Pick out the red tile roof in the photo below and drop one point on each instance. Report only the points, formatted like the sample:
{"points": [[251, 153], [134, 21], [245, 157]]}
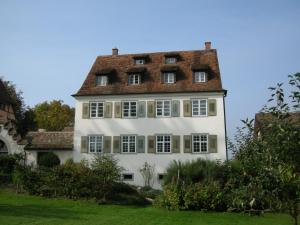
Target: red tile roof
{"points": [[187, 61]]}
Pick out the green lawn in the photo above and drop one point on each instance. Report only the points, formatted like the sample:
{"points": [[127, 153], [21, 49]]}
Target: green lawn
{"points": [[24, 209]]}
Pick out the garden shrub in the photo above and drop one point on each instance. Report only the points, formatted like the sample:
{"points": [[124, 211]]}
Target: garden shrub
{"points": [[172, 197], [149, 192], [47, 159], [205, 196], [7, 164], [191, 171]]}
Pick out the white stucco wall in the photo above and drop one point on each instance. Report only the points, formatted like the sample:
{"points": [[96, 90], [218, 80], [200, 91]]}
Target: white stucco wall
{"points": [[11, 144], [150, 126], [63, 155]]}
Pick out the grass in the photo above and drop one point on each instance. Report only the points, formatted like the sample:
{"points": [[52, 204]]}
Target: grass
{"points": [[25, 210]]}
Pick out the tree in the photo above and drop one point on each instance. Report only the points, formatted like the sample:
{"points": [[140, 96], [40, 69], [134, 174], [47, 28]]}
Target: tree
{"points": [[53, 116], [272, 161], [19, 107]]}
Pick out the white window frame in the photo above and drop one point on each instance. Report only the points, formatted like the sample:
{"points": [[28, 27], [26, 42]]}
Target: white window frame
{"points": [[128, 142], [97, 143], [103, 80], [197, 107], [130, 110], [200, 77], [163, 108], [134, 79], [139, 61], [170, 60], [163, 142], [201, 143], [96, 112], [169, 78]]}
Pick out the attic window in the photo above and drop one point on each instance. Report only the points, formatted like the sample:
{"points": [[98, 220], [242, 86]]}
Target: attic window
{"points": [[200, 77], [170, 60], [139, 61], [101, 80], [168, 78], [134, 79]]}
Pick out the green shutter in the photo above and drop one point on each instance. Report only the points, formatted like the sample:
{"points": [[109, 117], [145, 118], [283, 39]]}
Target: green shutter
{"points": [[140, 144], [187, 143], [108, 109], [175, 108], [151, 144], [213, 144], [151, 108], [116, 144], [187, 109], [118, 109], [85, 110], [212, 107], [141, 109], [84, 144], [106, 144], [175, 144]]}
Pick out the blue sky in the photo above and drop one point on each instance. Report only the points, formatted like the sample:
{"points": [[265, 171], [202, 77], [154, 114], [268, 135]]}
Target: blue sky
{"points": [[48, 47]]}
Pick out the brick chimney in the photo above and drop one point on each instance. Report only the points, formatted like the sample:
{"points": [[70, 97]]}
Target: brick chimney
{"points": [[115, 51], [207, 45]]}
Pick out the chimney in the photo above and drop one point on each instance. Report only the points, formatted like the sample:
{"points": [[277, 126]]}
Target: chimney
{"points": [[115, 51], [207, 45]]}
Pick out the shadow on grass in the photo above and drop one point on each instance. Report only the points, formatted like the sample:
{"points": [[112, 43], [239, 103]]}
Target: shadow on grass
{"points": [[37, 211]]}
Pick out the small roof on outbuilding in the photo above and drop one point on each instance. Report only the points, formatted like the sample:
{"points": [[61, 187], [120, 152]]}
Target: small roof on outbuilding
{"points": [[54, 140]]}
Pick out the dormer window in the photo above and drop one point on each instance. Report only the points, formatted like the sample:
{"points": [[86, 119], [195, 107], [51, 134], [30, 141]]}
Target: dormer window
{"points": [[139, 61], [134, 79], [200, 77], [169, 78], [101, 80], [170, 60]]}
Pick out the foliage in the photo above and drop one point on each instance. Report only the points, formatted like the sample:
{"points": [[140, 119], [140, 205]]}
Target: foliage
{"points": [[149, 192], [48, 159], [147, 172], [191, 171], [205, 196], [7, 164], [23, 120], [272, 160], [107, 173], [172, 197], [54, 115]]}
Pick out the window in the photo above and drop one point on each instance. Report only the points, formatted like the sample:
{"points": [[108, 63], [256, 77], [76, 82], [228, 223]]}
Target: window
{"points": [[163, 143], [169, 78], [133, 79], [96, 109], [161, 176], [139, 61], [95, 144], [170, 60], [163, 108], [101, 80], [129, 109], [199, 77], [129, 144], [200, 143], [199, 107], [127, 176]]}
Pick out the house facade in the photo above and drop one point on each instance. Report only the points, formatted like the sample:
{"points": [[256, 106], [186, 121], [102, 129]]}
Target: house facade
{"points": [[151, 108]]}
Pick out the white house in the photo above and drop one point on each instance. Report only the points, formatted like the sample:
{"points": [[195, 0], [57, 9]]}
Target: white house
{"points": [[152, 107]]}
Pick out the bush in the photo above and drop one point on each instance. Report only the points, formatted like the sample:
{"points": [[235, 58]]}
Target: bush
{"points": [[47, 159], [149, 192], [207, 196], [171, 198], [191, 171], [7, 164]]}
